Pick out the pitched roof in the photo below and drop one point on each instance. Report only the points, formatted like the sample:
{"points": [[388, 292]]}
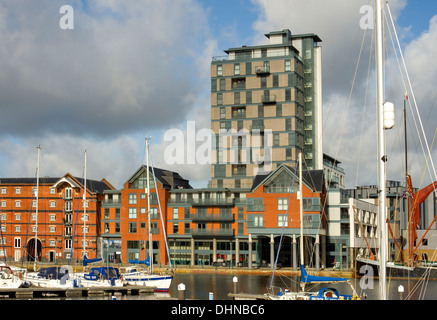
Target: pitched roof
{"points": [[311, 178], [168, 179], [92, 185]]}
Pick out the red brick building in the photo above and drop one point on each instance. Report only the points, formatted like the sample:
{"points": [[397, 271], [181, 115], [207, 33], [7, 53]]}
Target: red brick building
{"points": [[58, 225]]}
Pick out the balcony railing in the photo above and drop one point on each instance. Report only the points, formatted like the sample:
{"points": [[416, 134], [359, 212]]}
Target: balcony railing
{"points": [[211, 217], [262, 70], [212, 202], [212, 232], [271, 98]]}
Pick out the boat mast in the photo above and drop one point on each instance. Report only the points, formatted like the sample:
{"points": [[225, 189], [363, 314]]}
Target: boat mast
{"points": [[407, 187], [301, 217], [36, 209], [84, 209], [148, 207], [382, 158]]}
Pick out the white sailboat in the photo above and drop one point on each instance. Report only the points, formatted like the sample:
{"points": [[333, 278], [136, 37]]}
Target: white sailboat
{"points": [[8, 279], [325, 293], [136, 275]]}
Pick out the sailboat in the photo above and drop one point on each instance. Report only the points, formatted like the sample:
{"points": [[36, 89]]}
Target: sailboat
{"points": [[411, 267], [103, 276], [136, 275], [326, 293]]}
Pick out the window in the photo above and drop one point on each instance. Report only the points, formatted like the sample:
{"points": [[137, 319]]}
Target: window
{"points": [[237, 69], [175, 228], [258, 221], [176, 213], [3, 204], [3, 217], [132, 227], [68, 244], [282, 220], [68, 193], [52, 204], [17, 204], [52, 229], [4, 190], [17, 228], [17, 216], [222, 113], [106, 213], [17, 243], [154, 213], [132, 198], [52, 190], [287, 65], [17, 190], [132, 213], [248, 96], [219, 99], [85, 230], [219, 70], [222, 84], [276, 139], [117, 227], [263, 82], [287, 94], [275, 81], [52, 217], [282, 203], [52, 243]]}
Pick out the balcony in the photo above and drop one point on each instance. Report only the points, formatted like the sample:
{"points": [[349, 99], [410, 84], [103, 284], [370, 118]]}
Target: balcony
{"points": [[271, 98], [227, 202], [262, 70], [208, 217], [212, 233]]}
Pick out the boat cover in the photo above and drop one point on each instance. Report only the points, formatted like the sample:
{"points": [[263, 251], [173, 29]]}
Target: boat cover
{"points": [[86, 261], [306, 278], [146, 262]]}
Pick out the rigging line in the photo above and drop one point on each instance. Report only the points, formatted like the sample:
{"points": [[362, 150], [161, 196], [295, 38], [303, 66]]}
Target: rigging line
{"points": [[75, 222], [411, 88], [350, 94], [25, 253], [160, 210], [364, 106], [283, 224]]}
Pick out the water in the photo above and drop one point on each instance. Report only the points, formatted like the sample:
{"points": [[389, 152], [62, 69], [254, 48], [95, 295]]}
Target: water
{"points": [[199, 285]]}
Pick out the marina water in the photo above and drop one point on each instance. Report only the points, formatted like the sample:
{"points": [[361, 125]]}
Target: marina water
{"points": [[198, 286]]}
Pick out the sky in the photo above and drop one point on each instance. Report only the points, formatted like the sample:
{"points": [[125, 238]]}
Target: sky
{"points": [[120, 71]]}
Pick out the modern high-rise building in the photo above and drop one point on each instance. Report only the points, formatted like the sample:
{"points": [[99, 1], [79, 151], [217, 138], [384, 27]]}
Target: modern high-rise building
{"points": [[266, 107]]}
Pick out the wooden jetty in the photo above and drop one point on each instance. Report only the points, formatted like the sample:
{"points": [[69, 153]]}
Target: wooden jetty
{"points": [[39, 292]]}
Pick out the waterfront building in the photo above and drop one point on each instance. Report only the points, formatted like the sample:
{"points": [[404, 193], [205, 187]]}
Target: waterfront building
{"points": [[60, 229], [266, 108], [125, 220]]}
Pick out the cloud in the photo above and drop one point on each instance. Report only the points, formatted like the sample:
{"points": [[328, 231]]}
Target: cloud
{"points": [[128, 70], [350, 124], [125, 66]]}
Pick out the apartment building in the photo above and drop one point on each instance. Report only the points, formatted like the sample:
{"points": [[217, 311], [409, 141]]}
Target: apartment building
{"points": [[59, 226], [266, 108]]}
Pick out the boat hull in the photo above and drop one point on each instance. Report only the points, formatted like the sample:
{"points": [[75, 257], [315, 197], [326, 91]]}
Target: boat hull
{"points": [[157, 282], [369, 268]]}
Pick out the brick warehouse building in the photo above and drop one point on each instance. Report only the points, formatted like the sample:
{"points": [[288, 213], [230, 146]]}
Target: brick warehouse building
{"points": [[60, 226]]}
